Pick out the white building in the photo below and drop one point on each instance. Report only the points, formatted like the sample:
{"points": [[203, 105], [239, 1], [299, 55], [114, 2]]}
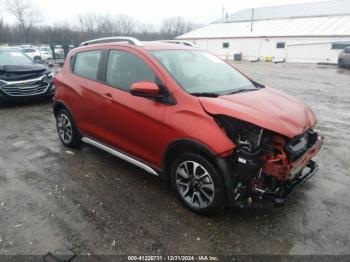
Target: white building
{"points": [[303, 33]]}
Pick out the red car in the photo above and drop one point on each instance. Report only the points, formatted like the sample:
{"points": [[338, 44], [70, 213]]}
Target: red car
{"points": [[182, 113]]}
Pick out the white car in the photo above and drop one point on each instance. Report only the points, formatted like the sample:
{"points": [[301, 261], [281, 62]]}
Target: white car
{"points": [[45, 54], [59, 52], [33, 53]]}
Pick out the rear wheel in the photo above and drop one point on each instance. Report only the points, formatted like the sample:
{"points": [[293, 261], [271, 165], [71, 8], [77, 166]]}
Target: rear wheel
{"points": [[66, 129], [198, 184]]}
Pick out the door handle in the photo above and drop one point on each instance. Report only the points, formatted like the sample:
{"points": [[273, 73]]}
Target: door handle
{"points": [[108, 96]]}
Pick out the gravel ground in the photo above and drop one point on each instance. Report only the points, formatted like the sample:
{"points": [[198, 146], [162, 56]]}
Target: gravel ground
{"points": [[93, 203]]}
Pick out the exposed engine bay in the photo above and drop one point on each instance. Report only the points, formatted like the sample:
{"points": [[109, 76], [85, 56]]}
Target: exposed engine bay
{"points": [[269, 165]]}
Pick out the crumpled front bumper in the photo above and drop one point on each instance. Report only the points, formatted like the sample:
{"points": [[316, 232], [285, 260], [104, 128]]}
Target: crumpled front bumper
{"points": [[280, 198], [291, 170], [300, 171]]}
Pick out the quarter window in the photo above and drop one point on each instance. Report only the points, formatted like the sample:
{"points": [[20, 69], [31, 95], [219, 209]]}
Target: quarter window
{"points": [[225, 45], [125, 69], [86, 64]]}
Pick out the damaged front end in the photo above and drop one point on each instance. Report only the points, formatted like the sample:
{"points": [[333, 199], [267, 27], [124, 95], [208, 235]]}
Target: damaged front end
{"points": [[268, 165], [25, 81]]}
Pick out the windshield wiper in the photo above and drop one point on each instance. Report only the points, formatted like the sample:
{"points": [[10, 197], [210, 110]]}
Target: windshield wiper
{"points": [[206, 94], [243, 90]]}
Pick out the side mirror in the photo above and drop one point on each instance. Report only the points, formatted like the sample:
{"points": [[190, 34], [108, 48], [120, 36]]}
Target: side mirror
{"points": [[145, 89]]}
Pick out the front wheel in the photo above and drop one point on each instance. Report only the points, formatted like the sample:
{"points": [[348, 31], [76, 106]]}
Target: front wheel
{"points": [[198, 184], [341, 63]]}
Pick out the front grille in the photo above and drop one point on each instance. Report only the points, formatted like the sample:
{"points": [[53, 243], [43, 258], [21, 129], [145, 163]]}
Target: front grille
{"points": [[26, 88]]}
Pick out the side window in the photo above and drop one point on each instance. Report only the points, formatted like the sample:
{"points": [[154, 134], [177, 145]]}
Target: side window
{"points": [[226, 45], [125, 69], [86, 64], [347, 50]]}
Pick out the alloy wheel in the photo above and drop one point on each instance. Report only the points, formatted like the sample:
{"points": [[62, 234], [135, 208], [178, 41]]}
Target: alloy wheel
{"points": [[64, 128], [195, 184]]}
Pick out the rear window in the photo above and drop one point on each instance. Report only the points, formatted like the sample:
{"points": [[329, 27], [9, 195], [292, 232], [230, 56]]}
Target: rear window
{"points": [[86, 64]]}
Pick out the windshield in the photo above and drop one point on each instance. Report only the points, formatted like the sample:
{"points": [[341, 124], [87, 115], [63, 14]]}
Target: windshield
{"points": [[199, 72], [14, 57]]}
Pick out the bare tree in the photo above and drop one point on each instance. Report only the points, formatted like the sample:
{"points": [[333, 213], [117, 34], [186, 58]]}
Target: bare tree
{"points": [[87, 26], [4, 31], [106, 26], [125, 25], [175, 26], [26, 14]]}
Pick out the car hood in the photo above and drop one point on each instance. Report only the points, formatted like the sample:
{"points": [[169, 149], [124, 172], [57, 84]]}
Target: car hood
{"points": [[267, 107], [20, 72]]}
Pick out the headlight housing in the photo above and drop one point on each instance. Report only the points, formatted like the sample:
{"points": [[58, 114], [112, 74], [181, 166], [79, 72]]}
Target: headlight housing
{"points": [[50, 75], [239, 131]]}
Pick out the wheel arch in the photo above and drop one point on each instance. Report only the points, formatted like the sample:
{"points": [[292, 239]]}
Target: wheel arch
{"points": [[181, 146], [223, 165], [59, 105]]}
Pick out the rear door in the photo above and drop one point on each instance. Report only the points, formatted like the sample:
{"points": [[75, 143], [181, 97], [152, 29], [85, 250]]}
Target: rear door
{"points": [[88, 100], [132, 124]]}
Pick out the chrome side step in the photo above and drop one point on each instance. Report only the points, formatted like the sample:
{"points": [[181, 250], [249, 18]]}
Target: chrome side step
{"points": [[120, 155]]}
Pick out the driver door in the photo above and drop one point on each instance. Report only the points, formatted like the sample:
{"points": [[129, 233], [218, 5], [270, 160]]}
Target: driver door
{"points": [[132, 124]]}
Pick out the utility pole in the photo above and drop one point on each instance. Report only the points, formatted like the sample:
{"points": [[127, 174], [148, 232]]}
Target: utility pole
{"points": [[252, 23]]}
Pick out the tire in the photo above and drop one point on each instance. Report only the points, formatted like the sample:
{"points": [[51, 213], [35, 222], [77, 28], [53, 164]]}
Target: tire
{"points": [[189, 187], [341, 63], [67, 130]]}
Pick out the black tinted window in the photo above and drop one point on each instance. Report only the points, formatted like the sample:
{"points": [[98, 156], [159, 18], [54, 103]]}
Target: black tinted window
{"points": [[281, 45], [347, 50], [86, 64], [125, 69], [339, 45]]}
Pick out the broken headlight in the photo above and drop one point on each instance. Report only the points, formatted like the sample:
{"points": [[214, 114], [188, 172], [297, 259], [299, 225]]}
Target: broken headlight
{"points": [[248, 138]]}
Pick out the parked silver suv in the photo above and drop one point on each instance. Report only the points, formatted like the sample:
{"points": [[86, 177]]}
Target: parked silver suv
{"points": [[344, 58]]}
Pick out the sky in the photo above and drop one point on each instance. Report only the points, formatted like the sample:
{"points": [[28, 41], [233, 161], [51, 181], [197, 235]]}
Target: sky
{"points": [[146, 11]]}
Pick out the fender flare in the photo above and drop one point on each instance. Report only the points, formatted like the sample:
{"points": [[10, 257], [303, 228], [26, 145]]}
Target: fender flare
{"points": [[224, 165], [59, 105]]}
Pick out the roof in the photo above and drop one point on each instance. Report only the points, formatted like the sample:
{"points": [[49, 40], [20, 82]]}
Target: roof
{"points": [[327, 8], [313, 26]]}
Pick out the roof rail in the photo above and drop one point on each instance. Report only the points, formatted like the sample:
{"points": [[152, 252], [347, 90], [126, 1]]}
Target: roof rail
{"points": [[179, 42], [130, 40]]}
